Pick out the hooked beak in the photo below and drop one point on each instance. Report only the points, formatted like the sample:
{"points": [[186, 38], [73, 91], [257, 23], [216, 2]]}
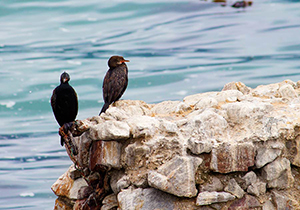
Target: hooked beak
{"points": [[123, 61]]}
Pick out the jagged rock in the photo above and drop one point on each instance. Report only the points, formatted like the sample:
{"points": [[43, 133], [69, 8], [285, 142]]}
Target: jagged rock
{"points": [[206, 198], [227, 157], [142, 126], [250, 178], [234, 188], [198, 146], [247, 202], [144, 199], [266, 155], [110, 130], [268, 205], [206, 102], [105, 154], [214, 185], [119, 181], [281, 202], [275, 169], [109, 202], [135, 155], [176, 176], [237, 86], [278, 174], [287, 91], [65, 186], [257, 188]]}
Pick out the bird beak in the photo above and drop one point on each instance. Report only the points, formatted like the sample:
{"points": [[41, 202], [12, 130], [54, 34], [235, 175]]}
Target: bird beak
{"points": [[125, 61], [64, 80]]}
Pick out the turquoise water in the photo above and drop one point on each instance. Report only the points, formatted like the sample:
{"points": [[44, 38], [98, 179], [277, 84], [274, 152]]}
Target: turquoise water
{"points": [[176, 48]]}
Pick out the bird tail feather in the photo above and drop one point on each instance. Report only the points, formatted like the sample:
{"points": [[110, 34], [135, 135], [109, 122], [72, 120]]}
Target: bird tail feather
{"points": [[104, 108]]}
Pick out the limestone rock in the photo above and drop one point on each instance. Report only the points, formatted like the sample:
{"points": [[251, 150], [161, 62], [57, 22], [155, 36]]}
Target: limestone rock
{"points": [[268, 205], [247, 202], [234, 189], [67, 187], [287, 91], [105, 154], [275, 169], [227, 158], [281, 201], [257, 188], [142, 126], [237, 86], [213, 185], [198, 146], [109, 202], [110, 130], [267, 155], [144, 199], [250, 178], [278, 174], [206, 102], [135, 155], [176, 176], [206, 198], [119, 181]]}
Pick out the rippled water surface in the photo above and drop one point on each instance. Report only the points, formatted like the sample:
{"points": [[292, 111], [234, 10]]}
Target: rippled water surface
{"points": [[176, 48]]}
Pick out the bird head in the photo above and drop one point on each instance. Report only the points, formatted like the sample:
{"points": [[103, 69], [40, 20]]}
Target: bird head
{"points": [[115, 61], [64, 77]]}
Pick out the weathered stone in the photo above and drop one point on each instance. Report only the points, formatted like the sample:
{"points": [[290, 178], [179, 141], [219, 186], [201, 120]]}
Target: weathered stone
{"points": [[135, 155], [176, 176], [62, 205], [110, 130], [165, 107], [213, 185], [284, 181], [250, 178], [247, 202], [144, 199], [74, 173], [198, 146], [227, 158], [237, 86], [142, 126], [267, 155], [228, 95], [287, 91], [206, 102], [209, 122], [281, 201], [105, 154], [118, 181], [275, 169], [67, 187], [268, 205], [206, 198], [84, 143], [257, 188], [240, 111], [167, 126], [109, 202], [234, 188]]}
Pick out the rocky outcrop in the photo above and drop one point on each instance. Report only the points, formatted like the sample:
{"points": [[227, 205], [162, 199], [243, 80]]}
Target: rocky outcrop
{"points": [[234, 149]]}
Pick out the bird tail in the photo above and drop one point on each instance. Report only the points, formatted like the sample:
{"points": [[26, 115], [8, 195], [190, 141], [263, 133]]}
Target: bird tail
{"points": [[104, 108]]}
